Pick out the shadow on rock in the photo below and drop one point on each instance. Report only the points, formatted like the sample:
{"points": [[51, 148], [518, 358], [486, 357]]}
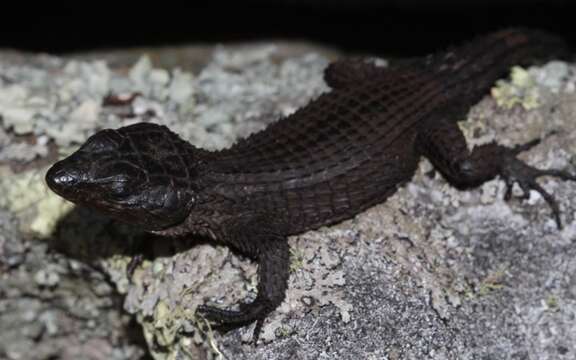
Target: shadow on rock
{"points": [[87, 236]]}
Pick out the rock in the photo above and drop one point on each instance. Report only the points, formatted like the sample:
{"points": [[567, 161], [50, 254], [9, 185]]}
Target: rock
{"points": [[433, 273], [48, 307]]}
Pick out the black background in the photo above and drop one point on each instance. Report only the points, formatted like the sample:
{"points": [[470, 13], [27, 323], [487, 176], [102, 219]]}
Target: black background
{"points": [[398, 28]]}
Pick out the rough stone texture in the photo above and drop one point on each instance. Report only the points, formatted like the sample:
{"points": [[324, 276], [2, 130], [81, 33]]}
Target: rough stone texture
{"points": [[54, 307], [434, 273]]}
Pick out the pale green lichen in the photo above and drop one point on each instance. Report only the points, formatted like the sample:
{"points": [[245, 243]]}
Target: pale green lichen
{"points": [[552, 303], [552, 75], [164, 330], [165, 325], [297, 260], [492, 282], [520, 90], [50, 210], [65, 103], [117, 267], [284, 331], [26, 195]]}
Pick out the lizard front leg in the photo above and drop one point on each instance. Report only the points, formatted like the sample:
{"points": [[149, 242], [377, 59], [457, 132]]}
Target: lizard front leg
{"points": [[271, 251], [445, 146]]}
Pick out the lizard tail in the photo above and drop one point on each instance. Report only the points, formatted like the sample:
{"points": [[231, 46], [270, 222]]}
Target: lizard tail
{"points": [[500, 50], [488, 58]]}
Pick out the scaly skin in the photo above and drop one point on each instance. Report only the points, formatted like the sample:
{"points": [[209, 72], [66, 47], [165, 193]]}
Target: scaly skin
{"points": [[347, 150]]}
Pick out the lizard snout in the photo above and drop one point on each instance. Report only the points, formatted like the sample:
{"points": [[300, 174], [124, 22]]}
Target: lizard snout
{"points": [[62, 179]]}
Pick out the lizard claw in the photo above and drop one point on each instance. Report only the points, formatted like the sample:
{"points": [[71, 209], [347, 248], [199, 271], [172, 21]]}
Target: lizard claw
{"points": [[525, 147], [516, 171]]}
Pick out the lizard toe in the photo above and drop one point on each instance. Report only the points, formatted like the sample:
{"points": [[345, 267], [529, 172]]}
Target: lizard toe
{"points": [[226, 319], [515, 171]]}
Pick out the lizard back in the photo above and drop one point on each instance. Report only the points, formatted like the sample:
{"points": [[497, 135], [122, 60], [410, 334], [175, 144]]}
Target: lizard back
{"points": [[345, 151], [352, 147]]}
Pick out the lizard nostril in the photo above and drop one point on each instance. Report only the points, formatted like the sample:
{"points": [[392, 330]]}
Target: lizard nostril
{"points": [[59, 179]]}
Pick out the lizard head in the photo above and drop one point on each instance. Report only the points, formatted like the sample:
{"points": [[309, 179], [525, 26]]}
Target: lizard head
{"points": [[142, 174]]}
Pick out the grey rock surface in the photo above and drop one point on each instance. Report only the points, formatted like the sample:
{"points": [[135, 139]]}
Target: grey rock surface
{"points": [[54, 307], [434, 273]]}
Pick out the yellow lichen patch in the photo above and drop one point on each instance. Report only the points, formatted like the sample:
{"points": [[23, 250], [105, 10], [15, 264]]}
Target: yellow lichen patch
{"points": [[27, 196], [165, 325], [160, 330], [520, 90], [297, 260], [50, 210], [552, 303]]}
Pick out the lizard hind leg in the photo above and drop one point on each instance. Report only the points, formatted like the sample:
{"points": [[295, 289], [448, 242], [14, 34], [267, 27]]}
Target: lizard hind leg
{"points": [[445, 146], [273, 256]]}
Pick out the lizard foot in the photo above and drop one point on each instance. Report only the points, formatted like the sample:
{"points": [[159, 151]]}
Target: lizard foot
{"points": [[227, 319], [516, 171]]}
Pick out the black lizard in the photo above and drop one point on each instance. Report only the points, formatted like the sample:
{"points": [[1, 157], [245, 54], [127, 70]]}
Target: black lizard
{"points": [[347, 150]]}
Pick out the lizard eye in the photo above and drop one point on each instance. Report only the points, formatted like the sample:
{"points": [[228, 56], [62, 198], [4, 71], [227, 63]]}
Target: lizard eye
{"points": [[118, 180], [119, 190]]}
